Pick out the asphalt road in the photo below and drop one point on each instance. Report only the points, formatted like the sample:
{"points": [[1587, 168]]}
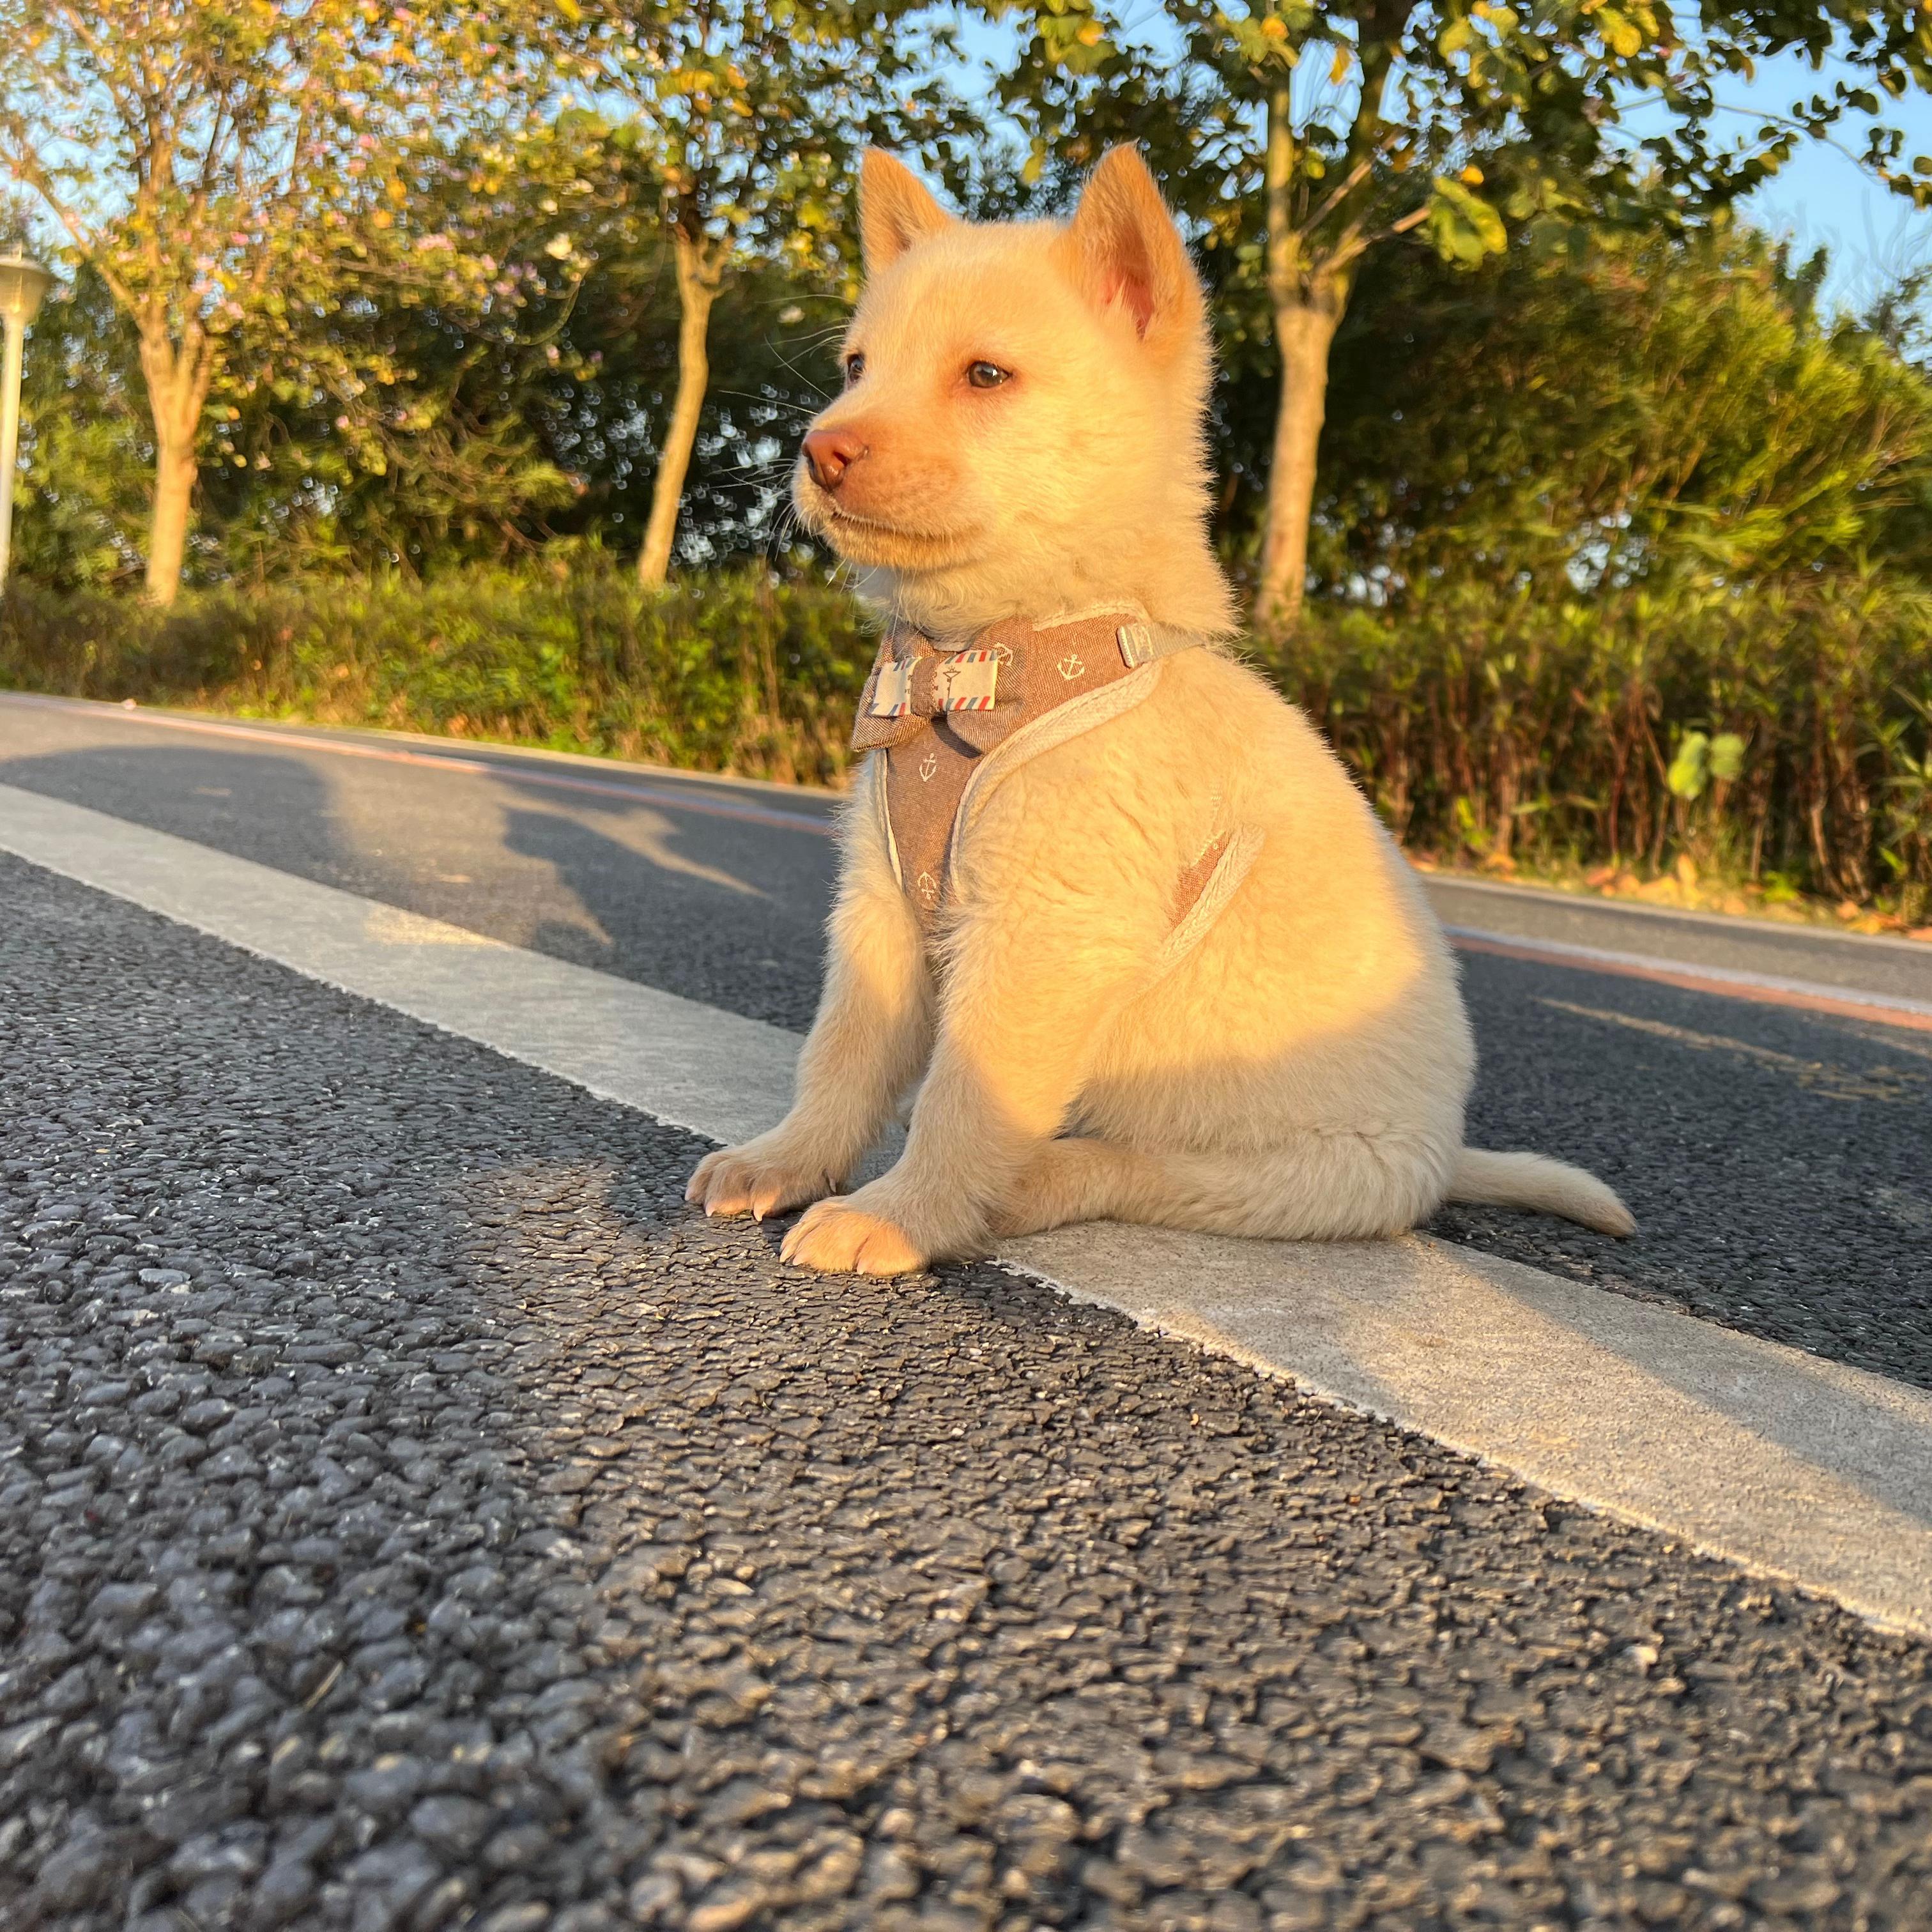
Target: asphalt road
{"points": [[1779, 1163], [1818, 954], [413, 1515]]}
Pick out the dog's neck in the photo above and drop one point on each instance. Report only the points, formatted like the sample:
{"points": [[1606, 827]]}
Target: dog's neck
{"points": [[1176, 584]]}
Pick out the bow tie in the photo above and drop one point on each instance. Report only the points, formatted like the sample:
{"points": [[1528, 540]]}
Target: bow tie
{"points": [[932, 682]]}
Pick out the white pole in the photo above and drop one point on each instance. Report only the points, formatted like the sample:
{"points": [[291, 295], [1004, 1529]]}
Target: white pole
{"points": [[9, 435]]}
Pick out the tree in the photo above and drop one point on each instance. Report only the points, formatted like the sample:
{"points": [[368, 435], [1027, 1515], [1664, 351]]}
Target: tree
{"points": [[1666, 416], [1346, 124], [601, 411], [480, 434], [83, 431], [755, 110], [224, 167], [395, 427]]}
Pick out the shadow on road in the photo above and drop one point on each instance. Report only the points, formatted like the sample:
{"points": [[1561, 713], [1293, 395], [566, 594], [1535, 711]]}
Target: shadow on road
{"points": [[713, 910]]}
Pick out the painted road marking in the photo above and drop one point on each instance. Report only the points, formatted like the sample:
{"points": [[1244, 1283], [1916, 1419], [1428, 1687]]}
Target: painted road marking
{"points": [[1807, 996], [1793, 1466], [711, 1073], [1732, 982]]}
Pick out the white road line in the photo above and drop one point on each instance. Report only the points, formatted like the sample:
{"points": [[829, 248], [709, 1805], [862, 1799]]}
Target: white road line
{"points": [[1555, 899], [710, 1072], [1789, 1465]]}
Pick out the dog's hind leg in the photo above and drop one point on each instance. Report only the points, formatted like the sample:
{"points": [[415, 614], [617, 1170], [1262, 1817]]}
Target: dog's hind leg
{"points": [[1330, 1186]]}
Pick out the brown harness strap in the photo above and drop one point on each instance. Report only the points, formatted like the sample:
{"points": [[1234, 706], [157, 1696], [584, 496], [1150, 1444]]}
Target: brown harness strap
{"points": [[938, 714]]}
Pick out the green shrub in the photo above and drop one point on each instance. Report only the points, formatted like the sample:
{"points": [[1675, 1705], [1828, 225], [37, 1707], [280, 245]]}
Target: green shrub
{"points": [[1511, 729], [735, 674]]}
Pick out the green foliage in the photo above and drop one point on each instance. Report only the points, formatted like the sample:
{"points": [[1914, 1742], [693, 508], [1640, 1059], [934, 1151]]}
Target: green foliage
{"points": [[771, 346], [1463, 119], [496, 431], [733, 674], [1772, 735], [1797, 725], [81, 501], [223, 163], [1303, 137], [1700, 759], [756, 110], [1673, 415], [1785, 729], [1461, 225], [598, 390], [233, 173]]}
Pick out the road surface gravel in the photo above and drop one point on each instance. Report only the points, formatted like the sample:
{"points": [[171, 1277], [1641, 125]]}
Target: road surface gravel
{"points": [[411, 1515]]}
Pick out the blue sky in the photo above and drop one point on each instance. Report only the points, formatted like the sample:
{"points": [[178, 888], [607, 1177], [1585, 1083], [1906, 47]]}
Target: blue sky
{"points": [[1823, 197]]}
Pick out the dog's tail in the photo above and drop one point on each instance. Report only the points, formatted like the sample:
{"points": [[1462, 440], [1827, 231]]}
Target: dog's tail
{"points": [[1530, 1181]]}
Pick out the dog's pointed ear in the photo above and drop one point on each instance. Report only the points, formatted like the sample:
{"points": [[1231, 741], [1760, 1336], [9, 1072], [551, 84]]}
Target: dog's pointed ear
{"points": [[1126, 252], [895, 210]]}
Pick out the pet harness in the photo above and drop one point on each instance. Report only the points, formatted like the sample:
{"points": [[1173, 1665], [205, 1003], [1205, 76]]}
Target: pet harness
{"points": [[952, 723]]}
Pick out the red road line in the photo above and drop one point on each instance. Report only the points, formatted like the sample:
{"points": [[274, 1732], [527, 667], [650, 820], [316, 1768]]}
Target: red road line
{"points": [[1761, 990], [675, 800]]}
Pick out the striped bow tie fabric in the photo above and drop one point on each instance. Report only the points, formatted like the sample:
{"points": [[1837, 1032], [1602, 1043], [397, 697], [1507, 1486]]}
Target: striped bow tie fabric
{"points": [[933, 682]]}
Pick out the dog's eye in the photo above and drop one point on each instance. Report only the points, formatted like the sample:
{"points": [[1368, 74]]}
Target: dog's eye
{"points": [[987, 375], [855, 367]]}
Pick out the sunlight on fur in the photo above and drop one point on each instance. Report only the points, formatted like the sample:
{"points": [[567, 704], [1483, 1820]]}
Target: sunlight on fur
{"points": [[1109, 907]]}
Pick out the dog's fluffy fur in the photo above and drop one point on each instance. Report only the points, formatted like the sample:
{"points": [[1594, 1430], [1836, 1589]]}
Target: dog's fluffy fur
{"points": [[1302, 1072]]}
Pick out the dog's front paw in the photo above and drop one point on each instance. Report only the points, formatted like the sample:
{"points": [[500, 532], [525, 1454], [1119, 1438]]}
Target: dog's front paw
{"points": [[838, 1237], [757, 1179]]}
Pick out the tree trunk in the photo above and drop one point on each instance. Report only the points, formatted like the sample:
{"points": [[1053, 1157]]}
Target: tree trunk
{"points": [[178, 380], [1303, 332], [176, 471], [700, 272], [1308, 305]]}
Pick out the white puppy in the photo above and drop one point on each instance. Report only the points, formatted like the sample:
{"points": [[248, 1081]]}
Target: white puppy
{"points": [[1108, 901]]}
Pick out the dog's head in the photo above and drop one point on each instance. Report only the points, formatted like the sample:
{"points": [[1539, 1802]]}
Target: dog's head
{"points": [[1021, 426]]}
